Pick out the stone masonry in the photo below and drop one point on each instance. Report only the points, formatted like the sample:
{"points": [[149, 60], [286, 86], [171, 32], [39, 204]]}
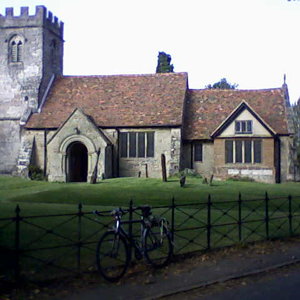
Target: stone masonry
{"points": [[77, 128], [25, 78]]}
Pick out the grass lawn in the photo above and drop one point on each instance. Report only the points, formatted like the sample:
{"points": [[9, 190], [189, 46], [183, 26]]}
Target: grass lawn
{"points": [[42, 198], [39, 197]]}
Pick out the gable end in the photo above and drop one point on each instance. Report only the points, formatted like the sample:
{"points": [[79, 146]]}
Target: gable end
{"points": [[232, 117]]}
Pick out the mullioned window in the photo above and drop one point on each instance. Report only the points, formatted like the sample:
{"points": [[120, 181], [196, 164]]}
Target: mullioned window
{"points": [[137, 144]]}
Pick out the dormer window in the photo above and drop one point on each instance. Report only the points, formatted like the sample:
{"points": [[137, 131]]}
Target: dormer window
{"points": [[243, 126], [16, 49]]}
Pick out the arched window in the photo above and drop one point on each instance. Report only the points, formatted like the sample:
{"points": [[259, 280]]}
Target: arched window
{"points": [[16, 49]]}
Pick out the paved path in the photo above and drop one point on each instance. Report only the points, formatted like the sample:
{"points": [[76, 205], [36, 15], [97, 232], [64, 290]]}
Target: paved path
{"points": [[283, 285], [198, 271]]}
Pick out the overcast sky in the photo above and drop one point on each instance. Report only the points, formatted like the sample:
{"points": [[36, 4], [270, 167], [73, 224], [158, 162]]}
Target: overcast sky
{"points": [[250, 42]]}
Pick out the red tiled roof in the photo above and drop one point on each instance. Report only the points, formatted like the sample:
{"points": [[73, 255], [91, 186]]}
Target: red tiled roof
{"points": [[207, 109], [117, 100]]}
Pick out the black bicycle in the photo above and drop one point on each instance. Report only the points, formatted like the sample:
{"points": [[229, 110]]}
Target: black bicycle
{"points": [[113, 252]]}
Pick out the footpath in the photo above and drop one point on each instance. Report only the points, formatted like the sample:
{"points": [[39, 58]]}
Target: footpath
{"points": [[196, 272]]}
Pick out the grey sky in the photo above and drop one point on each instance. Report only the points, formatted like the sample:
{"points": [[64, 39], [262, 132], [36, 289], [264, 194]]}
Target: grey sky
{"points": [[251, 43]]}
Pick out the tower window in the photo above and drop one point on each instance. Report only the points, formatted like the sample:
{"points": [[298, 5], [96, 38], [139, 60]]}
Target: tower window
{"points": [[19, 51], [16, 49]]}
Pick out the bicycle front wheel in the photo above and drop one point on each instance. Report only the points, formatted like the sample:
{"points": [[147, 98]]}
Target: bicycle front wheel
{"points": [[158, 246], [112, 256]]}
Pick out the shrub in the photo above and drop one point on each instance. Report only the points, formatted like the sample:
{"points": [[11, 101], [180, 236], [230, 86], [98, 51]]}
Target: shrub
{"points": [[240, 178], [188, 173], [35, 173]]}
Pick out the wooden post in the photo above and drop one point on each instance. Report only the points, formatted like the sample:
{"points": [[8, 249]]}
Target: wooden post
{"points": [[163, 168], [95, 171], [211, 179], [182, 180]]}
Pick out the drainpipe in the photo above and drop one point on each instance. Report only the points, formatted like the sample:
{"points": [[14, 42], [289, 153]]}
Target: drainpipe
{"points": [[118, 154], [112, 161], [45, 152], [277, 160], [192, 156]]}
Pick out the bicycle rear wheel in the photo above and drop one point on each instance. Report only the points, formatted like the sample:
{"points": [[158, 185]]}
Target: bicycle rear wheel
{"points": [[158, 246], [112, 256]]}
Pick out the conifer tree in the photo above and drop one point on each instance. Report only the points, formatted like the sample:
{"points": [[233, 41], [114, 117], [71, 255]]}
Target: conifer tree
{"points": [[164, 63], [296, 119]]}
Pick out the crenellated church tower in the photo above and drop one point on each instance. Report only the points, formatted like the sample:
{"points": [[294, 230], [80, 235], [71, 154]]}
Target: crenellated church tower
{"points": [[31, 54]]}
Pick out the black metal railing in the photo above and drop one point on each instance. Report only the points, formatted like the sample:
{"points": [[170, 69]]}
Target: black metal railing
{"points": [[37, 247]]}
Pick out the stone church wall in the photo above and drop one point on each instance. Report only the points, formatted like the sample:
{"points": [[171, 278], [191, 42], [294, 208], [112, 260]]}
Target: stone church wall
{"points": [[263, 172], [112, 135], [9, 145], [205, 167], [167, 142], [289, 172], [78, 128], [23, 82]]}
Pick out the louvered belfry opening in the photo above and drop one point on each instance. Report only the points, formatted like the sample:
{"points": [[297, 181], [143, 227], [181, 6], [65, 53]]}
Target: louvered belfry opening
{"points": [[77, 162], [16, 49]]}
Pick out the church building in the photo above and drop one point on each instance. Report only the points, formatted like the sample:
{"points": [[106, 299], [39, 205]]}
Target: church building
{"points": [[122, 125]]}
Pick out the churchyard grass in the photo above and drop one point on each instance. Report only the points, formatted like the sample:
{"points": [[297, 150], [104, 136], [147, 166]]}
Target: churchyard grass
{"points": [[40, 196], [43, 198]]}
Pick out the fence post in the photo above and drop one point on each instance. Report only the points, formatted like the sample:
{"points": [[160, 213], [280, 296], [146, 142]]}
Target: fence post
{"points": [[17, 245], [130, 226], [290, 215], [208, 221], [240, 216], [173, 219], [79, 244], [267, 214]]}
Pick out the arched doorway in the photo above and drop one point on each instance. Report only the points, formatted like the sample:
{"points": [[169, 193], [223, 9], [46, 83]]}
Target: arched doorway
{"points": [[77, 162]]}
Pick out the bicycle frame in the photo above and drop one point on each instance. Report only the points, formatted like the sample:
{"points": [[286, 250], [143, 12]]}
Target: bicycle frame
{"points": [[114, 249], [118, 229]]}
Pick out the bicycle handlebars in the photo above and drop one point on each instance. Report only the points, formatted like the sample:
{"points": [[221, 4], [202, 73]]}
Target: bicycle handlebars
{"points": [[146, 211]]}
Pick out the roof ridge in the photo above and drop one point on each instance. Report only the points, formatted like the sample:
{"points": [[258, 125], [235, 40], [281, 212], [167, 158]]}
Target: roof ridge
{"points": [[126, 75], [236, 90], [116, 100]]}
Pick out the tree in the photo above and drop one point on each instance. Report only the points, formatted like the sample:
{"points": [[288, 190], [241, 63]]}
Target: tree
{"points": [[222, 85], [296, 116], [164, 63], [296, 119]]}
